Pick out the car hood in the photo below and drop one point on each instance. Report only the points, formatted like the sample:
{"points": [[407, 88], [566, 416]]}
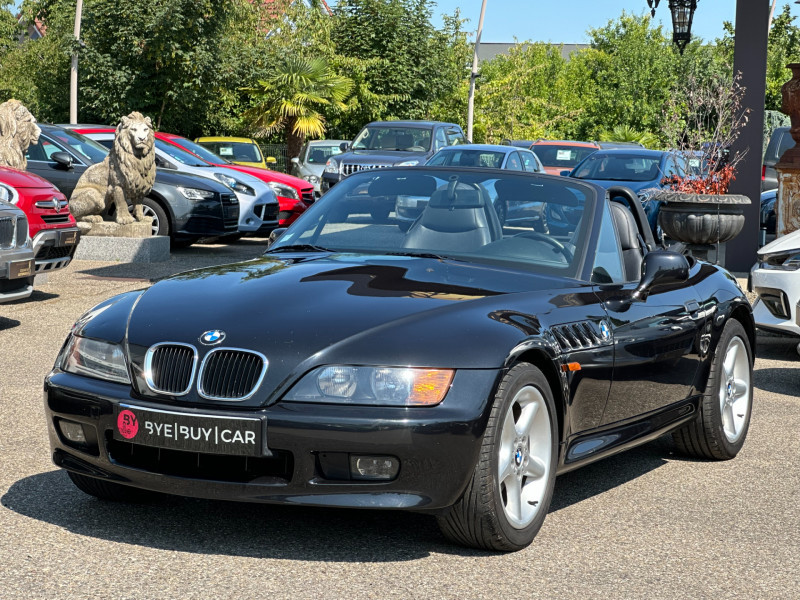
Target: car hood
{"points": [[785, 243], [341, 309], [23, 179], [268, 175]]}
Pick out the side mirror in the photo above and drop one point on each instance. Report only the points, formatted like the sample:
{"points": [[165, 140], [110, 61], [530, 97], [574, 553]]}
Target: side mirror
{"points": [[295, 159], [344, 146], [63, 159], [271, 160], [565, 173], [661, 268], [274, 235]]}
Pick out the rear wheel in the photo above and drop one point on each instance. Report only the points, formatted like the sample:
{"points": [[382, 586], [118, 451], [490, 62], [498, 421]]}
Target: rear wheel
{"points": [[151, 208], [722, 422], [507, 499], [108, 490]]}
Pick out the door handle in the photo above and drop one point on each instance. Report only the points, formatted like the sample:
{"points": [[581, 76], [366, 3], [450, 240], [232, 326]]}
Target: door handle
{"points": [[692, 306]]}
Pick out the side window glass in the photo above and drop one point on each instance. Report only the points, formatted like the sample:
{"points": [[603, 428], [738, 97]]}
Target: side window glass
{"points": [[41, 151], [528, 161], [455, 137], [608, 261], [514, 163], [440, 140]]}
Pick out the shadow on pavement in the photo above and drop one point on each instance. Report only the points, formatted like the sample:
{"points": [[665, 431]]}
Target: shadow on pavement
{"points": [[6, 323], [778, 381], [280, 531]]}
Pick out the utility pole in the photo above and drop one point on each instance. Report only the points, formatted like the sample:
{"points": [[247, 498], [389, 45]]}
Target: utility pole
{"points": [[474, 75], [73, 70]]}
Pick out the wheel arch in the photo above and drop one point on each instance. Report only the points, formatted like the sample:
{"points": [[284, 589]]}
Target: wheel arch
{"points": [[163, 203], [542, 360], [742, 314]]}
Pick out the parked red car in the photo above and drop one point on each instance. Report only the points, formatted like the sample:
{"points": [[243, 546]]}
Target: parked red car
{"points": [[294, 194], [52, 228]]}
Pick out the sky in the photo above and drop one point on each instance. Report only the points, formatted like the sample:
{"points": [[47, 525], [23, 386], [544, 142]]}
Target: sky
{"points": [[566, 21]]}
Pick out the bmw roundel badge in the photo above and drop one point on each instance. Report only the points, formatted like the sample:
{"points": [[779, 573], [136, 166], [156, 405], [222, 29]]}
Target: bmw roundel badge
{"points": [[605, 330], [215, 336]]}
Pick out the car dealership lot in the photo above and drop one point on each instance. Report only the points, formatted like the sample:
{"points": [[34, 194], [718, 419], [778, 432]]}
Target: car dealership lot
{"points": [[646, 523]]}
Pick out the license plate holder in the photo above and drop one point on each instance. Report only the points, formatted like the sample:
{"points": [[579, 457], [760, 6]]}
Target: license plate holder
{"points": [[211, 434], [18, 269]]}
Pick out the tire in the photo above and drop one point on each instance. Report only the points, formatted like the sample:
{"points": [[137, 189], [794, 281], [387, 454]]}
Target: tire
{"points": [[108, 490], [719, 431], [507, 499], [161, 224]]}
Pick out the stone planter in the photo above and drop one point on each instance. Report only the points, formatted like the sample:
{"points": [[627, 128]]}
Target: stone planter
{"points": [[701, 219]]}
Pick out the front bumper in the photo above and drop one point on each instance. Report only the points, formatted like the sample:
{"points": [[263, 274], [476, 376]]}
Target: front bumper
{"points": [[54, 249], [18, 287], [437, 447], [776, 307], [328, 180]]}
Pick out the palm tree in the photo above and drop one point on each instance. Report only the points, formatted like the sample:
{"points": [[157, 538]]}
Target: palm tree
{"points": [[291, 99]]}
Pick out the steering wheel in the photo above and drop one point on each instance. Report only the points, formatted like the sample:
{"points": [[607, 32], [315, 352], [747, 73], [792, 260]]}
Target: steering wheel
{"points": [[541, 237]]}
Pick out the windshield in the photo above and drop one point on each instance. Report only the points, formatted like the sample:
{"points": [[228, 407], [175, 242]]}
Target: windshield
{"points": [[463, 157], [235, 151], [620, 167], [318, 154], [80, 144], [553, 155], [525, 221], [180, 155], [393, 138], [203, 153]]}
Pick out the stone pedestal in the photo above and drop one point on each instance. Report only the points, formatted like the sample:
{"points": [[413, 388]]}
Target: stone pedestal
{"points": [[124, 249], [137, 229]]}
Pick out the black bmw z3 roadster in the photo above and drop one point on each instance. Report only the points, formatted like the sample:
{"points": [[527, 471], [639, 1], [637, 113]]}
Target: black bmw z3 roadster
{"points": [[455, 366]]}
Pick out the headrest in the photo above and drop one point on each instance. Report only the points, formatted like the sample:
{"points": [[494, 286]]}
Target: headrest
{"points": [[626, 226], [402, 185], [536, 190], [460, 195]]}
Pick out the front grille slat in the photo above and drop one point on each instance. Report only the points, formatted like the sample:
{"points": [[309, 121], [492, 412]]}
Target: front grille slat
{"points": [[231, 374], [169, 368], [6, 232]]}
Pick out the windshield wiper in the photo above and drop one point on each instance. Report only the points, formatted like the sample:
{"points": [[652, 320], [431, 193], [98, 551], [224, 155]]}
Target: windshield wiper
{"points": [[420, 255], [301, 248]]}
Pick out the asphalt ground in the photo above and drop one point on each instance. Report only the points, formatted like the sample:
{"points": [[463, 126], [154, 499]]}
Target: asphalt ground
{"points": [[645, 524]]}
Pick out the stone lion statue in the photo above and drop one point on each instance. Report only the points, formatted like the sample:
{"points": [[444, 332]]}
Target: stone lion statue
{"points": [[125, 177], [18, 130]]}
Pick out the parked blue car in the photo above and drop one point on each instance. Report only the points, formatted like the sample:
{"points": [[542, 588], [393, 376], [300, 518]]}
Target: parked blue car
{"points": [[639, 169]]}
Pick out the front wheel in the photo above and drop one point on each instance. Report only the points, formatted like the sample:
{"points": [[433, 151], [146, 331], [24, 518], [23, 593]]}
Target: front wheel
{"points": [[507, 499], [722, 422], [151, 208]]}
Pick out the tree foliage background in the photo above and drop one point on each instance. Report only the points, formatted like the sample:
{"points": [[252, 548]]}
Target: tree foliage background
{"points": [[190, 63]]}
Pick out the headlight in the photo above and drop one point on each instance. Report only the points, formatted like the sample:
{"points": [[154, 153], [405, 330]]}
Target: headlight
{"points": [[312, 179], [789, 261], [235, 184], [332, 166], [8, 194], [283, 190], [195, 194], [93, 358], [408, 163], [381, 386]]}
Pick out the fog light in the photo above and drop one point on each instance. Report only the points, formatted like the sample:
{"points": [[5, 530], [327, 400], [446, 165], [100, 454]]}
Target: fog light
{"points": [[375, 468], [72, 431]]}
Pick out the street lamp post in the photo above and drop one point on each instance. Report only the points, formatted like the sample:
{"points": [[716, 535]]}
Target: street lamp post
{"points": [[474, 74], [73, 70], [682, 13]]}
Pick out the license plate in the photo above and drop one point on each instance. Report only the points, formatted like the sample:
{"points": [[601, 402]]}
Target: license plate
{"points": [[190, 432], [20, 268], [67, 238]]}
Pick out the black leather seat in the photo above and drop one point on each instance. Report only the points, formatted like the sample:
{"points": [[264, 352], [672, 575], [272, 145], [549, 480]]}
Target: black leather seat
{"points": [[629, 241], [458, 218]]}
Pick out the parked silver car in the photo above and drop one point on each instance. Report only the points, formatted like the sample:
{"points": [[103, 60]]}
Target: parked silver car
{"points": [[16, 253], [311, 162]]}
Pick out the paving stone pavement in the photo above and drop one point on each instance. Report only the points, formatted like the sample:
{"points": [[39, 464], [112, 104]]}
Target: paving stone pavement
{"points": [[644, 524]]}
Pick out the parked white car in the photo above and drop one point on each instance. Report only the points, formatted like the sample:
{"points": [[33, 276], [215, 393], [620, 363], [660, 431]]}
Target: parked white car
{"points": [[313, 157], [258, 205], [776, 280]]}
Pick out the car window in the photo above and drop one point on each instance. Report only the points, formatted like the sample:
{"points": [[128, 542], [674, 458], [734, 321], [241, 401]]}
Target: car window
{"points": [[785, 143], [393, 138], [514, 163], [42, 151], [179, 155], [468, 157], [455, 137], [607, 267], [619, 167], [234, 151], [529, 162], [204, 153], [440, 140], [319, 154], [566, 157]]}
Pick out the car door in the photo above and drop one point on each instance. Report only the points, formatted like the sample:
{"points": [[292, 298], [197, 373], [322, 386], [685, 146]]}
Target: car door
{"points": [[656, 340], [40, 163]]}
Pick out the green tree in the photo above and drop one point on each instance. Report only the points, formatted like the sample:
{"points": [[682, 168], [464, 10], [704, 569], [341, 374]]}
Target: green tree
{"points": [[292, 96], [8, 27]]}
